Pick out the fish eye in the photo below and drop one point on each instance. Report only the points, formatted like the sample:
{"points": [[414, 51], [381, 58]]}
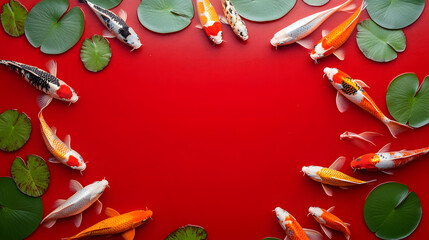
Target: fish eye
{"points": [[278, 218]]}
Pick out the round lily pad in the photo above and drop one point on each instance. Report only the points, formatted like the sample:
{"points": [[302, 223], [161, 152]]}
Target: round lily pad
{"points": [[165, 16], [263, 10], [188, 232], [271, 238], [32, 180], [95, 53], [49, 28], [391, 211], [395, 14], [407, 102], [15, 129], [107, 4], [316, 3], [379, 44], [20, 214], [13, 18]]}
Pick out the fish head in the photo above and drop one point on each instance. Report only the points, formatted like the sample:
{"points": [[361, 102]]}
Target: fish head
{"points": [[133, 39], [332, 74], [280, 39], [345, 134], [140, 216], [316, 212], [98, 187], [365, 162], [217, 39], [318, 52], [75, 161], [282, 216], [312, 172], [66, 93]]}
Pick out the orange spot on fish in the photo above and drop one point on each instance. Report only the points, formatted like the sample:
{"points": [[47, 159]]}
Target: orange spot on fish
{"points": [[64, 92], [201, 8], [214, 29], [73, 162]]}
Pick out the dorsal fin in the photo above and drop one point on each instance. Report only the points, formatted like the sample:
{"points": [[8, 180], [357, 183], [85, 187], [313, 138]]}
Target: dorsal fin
{"points": [[111, 212], [385, 148], [52, 67], [75, 185], [338, 163]]}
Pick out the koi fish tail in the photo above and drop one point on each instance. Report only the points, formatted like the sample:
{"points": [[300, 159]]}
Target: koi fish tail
{"points": [[370, 181], [49, 223], [345, 7], [396, 128], [43, 101]]}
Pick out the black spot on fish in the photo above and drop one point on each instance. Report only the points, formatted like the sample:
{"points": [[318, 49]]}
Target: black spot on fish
{"points": [[106, 14], [348, 88], [231, 11], [106, 21], [124, 32]]}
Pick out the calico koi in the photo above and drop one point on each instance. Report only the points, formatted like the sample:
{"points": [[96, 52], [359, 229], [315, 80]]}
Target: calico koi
{"points": [[234, 20], [328, 220], [331, 176], [77, 203], [210, 21], [352, 89], [293, 230]]}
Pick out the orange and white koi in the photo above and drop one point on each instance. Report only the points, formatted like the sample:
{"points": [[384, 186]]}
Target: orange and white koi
{"points": [[234, 20], [364, 136], [303, 27], [328, 220], [352, 89], [293, 230], [210, 21], [385, 160], [116, 223], [331, 176], [61, 151], [332, 41]]}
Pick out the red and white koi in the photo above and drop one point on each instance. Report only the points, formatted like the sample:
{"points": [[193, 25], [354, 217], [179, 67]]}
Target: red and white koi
{"points": [[364, 136], [303, 27], [331, 176], [293, 230], [234, 20], [210, 21], [77, 203], [332, 41], [61, 151], [352, 89], [44, 81], [328, 220]]}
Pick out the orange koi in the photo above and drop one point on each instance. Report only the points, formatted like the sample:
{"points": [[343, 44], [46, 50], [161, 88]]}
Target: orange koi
{"points": [[116, 223], [293, 230], [328, 220], [210, 21]]}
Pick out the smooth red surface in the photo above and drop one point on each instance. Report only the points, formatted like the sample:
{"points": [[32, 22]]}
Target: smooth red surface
{"points": [[213, 135]]}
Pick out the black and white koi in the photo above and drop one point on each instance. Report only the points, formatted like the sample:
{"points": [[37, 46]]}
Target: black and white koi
{"points": [[234, 20]]}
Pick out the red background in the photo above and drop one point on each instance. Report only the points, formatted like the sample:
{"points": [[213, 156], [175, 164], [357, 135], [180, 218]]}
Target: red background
{"points": [[213, 135]]}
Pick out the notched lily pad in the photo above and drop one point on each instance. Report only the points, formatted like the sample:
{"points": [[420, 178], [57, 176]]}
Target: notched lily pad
{"points": [[379, 44], [32, 180], [263, 10], [188, 232], [316, 3], [13, 18], [391, 211], [165, 16], [407, 102], [95, 53], [15, 129], [107, 4]]}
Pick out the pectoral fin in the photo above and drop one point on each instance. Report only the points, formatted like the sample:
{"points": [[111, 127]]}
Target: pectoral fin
{"points": [[338, 164], [110, 212], [327, 190], [326, 231], [313, 234], [75, 186], [342, 102], [385, 148], [77, 220], [306, 43], [52, 67], [361, 83], [340, 54], [122, 14], [98, 206], [108, 34], [331, 209], [129, 235], [53, 160]]}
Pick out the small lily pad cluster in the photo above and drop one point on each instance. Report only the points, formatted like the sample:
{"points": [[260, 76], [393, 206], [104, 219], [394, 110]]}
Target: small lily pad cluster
{"points": [[189, 232], [13, 18], [263, 10], [316, 3]]}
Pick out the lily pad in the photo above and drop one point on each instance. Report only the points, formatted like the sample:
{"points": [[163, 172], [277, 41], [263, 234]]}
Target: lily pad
{"points": [[407, 102], [107, 4], [165, 16], [49, 28], [32, 180], [271, 238], [316, 3], [15, 129], [379, 44], [391, 211], [13, 18], [20, 215], [95, 53], [188, 232], [395, 14], [263, 10]]}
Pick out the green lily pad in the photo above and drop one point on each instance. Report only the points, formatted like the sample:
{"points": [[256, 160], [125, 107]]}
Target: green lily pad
{"points": [[395, 14], [48, 28], [263, 10], [391, 211], [407, 102], [271, 238], [13, 18], [165, 16], [379, 44], [316, 3], [95, 54], [20, 214], [15, 129], [107, 4], [188, 232], [34, 180]]}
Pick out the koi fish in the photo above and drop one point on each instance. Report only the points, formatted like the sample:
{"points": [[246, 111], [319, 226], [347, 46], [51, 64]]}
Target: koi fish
{"points": [[61, 151], [76, 204], [384, 160], [234, 20], [293, 230], [116, 223], [365, 136], [328, 220], [352, 89], [332, 41], [210, 21], [303, 27], [116, 25], [44, 81], [331, 176]]}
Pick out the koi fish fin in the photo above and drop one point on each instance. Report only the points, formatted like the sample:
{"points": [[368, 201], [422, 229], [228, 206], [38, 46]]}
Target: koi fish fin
{"points": [[344, 188], [223, 20], [75, 186], [371, 181], [43, 101], [129, 235], [53, 160], [111, 212], [338, 164], [342, 102], [122, 14], [348, 8], [361, 83], [396, 128], [199, 26], [326, 231], [327, 190], [52, 67], [368, 136], [385, 148], [67, 140], [325, 32], [286, 238], [331, 209], [347, 224], [313, 234], [340, 54], [50, 223], [78, 220], [59, 202], [306, 43], [108, 34], [54, 130], [387, 172], [98, 206]]}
